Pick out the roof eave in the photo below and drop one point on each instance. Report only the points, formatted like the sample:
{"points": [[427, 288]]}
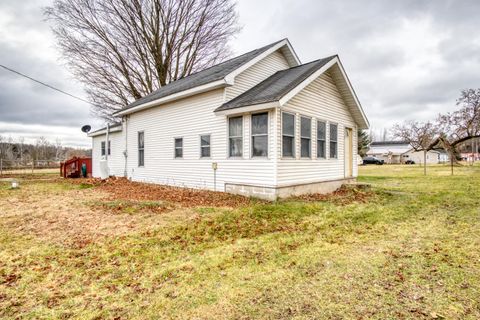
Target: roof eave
{"points": [[173, 97], [104, 131], [363, 123], [294, 60], [249, 108]]}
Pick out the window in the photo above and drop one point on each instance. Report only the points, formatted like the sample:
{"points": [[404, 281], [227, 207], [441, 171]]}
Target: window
{"points": [[178, 147], [141, 149], [205, 146], [288, 135], [235, 136], [306, 136], [321, 131], [103, 147], [333, 140], [260, 135]]}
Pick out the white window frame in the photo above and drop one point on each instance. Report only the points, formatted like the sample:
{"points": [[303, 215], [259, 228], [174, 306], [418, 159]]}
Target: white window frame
{"points": [[302, 137], [209, 145], [330, 141], [324, 140], [228, 137], [175, 148], [259, 135], [138, 149], [294, 151]]}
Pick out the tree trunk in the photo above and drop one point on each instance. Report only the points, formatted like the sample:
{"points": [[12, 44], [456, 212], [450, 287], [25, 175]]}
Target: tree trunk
{"points": [[451, 165], [425, 162]]}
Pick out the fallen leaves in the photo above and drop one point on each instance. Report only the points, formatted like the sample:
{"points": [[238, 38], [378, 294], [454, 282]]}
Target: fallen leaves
{"points": [[124, 189]]}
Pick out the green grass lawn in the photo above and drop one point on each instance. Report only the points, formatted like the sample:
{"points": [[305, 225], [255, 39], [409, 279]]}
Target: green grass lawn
{"points": [[411, 251]]}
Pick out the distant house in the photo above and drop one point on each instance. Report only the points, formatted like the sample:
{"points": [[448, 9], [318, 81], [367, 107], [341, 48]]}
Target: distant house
{"points": [[261, 124], [401, 151]]}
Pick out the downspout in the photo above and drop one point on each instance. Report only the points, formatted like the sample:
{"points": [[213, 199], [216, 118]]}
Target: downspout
{"points": [[107, 143], [125, 152]]}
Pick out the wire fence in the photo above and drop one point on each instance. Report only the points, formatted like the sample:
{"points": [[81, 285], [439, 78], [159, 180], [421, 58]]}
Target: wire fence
{"points": [[28, 166]]}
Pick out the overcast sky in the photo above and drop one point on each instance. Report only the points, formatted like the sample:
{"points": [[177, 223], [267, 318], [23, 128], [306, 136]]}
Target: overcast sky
{"points": [[406, 59]]}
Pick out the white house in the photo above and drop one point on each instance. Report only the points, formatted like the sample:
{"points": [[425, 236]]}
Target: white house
{"points": [[261, 124], [400, 151]]}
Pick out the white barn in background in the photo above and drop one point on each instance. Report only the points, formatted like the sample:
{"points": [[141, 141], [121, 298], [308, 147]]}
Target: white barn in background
{"points": [[261, 124]]}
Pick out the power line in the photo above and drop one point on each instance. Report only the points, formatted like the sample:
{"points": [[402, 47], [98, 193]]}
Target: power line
{"points": [[45, 84]]}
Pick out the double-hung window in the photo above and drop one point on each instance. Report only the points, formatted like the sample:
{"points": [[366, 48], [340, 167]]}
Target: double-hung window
{"points": [[288, 135], [178, 147], [141, 149], [321, 135], [235, 136], [306, 136], [103, 148], [260, 135], [333, 140], [205, 146]]}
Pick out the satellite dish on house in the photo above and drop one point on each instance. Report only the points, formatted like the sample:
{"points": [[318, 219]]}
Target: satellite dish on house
{"points": [[86, 128]]}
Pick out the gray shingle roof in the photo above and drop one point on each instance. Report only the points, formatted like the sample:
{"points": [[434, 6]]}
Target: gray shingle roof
{"points": [[276, 86], [214, 73]]}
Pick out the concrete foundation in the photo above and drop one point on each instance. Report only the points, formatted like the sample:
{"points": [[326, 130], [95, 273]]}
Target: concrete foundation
{"points": [[274, 193]]}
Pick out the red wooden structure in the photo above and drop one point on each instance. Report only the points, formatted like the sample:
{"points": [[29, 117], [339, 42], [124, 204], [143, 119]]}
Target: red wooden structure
{"points": [[72, 168]]}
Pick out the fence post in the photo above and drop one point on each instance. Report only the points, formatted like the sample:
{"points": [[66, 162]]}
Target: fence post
{"points": [[33, 165]]}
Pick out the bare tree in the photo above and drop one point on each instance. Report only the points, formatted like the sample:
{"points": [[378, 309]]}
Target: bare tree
{"points": [[462, 125], [123, 50], [422, 136]]}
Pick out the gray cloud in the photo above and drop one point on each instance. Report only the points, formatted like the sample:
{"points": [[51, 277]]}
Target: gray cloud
{"points": [[406, 59]]}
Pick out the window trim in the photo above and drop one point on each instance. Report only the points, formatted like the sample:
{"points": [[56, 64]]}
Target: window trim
{"points": [[259, 135], [330, 140], [293, 156], [228, 136], [301, 137], [138, 149], [210, 145], [325, 140], [103, 149], [175, 148]]}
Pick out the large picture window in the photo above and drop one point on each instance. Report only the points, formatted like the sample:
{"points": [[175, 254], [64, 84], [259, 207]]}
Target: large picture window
{"points": [[288, 135], [333, 141], [141, 149], [321, 136], [306, 136], [205, 146], [235, 136], [178, 147], [260, 135]]}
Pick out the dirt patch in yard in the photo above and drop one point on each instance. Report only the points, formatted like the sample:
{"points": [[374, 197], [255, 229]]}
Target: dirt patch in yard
{"points": [[124, 189], [62, 213], [343, 196]]}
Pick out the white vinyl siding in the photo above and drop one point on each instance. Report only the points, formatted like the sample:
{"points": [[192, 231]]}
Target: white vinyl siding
{"points": [[321, 101], [257, 73], [189, 118], [116, 159]]}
